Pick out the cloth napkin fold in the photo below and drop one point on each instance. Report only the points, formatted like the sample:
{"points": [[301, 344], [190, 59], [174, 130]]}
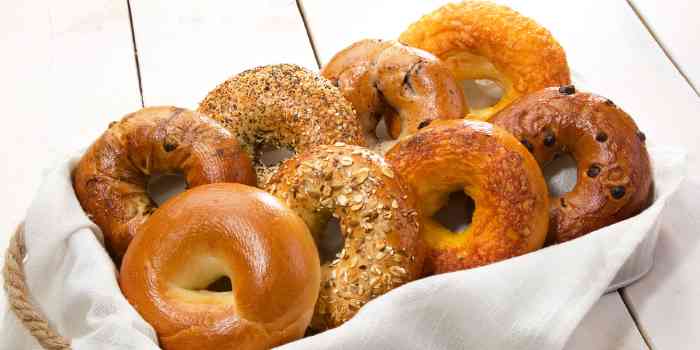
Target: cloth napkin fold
{"points": [[530, 302]]}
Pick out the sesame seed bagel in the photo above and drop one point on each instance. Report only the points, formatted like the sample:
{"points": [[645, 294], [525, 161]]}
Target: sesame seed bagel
{"points": [[614, 179], [381, 250], [282, 106], [495, 170], [483, 40], [408, 87], [111, 178]]}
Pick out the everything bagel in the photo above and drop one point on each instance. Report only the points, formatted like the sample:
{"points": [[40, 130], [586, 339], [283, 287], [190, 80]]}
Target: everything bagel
{"points": [[282, 106]]}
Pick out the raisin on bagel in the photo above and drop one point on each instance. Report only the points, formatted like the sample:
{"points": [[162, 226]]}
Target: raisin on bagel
{"points": [[614, 179], [111, 178], [407, 87]]}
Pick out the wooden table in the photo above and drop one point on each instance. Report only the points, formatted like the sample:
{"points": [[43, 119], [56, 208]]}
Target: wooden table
{"points": [[70, 69]]}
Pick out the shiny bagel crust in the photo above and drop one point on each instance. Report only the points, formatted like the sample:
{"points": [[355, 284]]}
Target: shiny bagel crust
{"points": [[614, 179], [282, 106], [406, 86], [375, 210], [483, 40], [491, 167], [111, 178], [219, 230]]}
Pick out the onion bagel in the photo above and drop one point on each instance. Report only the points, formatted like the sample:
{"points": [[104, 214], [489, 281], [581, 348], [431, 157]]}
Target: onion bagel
{"points": [[483, 40], [408, 87], [381, 249], [214, 231], [491, 167], [614, 178], [111, 178], [282, 106]]}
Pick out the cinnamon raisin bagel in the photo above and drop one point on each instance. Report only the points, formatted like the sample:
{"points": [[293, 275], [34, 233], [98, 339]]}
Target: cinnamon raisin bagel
{"points": [[614, 178], [491, 167], [110, 179], [381, 248], [282, 106], [171, 270], [404, 85], [482, 40]]}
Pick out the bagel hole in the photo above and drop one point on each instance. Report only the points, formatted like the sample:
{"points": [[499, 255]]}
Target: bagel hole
{"points": [[269, 155], [561, 175], [162, 187], [456, 214], [331, 241], [221, 284], [481, 93]]}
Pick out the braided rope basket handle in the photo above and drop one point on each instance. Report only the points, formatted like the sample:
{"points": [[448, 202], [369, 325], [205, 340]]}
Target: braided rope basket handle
{"points": [[19, 296]]}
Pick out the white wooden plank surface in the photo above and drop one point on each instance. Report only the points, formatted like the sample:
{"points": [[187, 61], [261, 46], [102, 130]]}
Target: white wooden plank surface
{"points": [[66, 75], [675, 24], [607, 326], [608, 49], [666, 301], [186, 47]]}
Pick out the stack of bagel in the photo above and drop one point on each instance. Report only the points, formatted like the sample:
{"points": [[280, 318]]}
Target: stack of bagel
{"points": [[233, 261]]}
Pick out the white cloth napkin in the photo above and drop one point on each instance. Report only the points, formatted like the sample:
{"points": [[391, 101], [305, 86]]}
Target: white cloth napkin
{"points": [[530, 302]]}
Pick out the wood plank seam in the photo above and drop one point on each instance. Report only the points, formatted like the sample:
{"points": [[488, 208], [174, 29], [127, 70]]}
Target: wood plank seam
{"points": [[662, 46], [635, 318], [136, 52], [300, 7]]}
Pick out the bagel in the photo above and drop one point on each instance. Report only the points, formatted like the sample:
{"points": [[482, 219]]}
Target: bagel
{"points": [[483, 40], [218, 230], [614, 179], [111, 177], [406, 86], [282, 106], [381, 248], [491, 167]]}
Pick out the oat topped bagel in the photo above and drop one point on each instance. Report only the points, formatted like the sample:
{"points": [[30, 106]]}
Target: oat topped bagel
{"points": [[482, 40], [381, 249], [282, 106], [406, 86]]}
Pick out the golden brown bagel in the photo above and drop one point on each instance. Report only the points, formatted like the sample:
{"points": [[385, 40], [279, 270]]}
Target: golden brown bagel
{"points": [[407, 86], [219, 230], [483, 40], [491, 167], [614, 174], [110, 179], [282, 106], [377, 218]]}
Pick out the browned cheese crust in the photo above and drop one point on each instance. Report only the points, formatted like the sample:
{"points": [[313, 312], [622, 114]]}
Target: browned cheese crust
{"points": [[282, 105], [406, 86], [214, 231], [381, 250], [492, 168], [483, 40], [110, 179], [614, 174]]}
